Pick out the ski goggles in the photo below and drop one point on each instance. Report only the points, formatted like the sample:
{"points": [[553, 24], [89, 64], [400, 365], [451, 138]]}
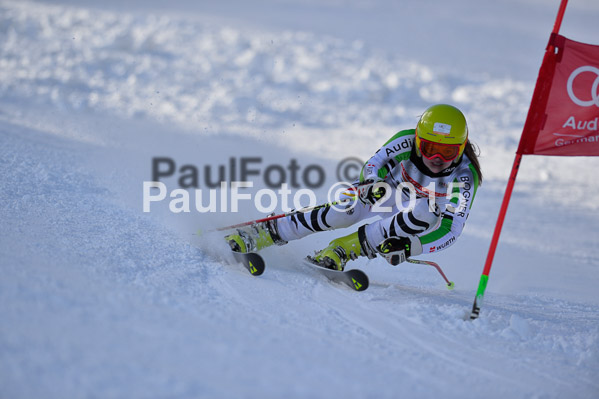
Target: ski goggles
{"points": [[432, 150]]}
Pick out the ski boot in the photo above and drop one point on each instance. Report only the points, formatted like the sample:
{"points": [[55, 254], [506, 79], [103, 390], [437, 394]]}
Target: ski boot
{"points": [[255, 237], [343, 249]]}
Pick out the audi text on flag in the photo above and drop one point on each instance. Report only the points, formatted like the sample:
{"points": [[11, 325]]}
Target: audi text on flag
{"points": [[569, 124]]}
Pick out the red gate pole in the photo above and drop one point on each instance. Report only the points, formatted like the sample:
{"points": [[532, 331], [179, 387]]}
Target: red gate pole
{"points": [[484, 278]]}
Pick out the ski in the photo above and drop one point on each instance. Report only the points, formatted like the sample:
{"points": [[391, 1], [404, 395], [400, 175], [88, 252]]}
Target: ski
{"points": [[355, 279], [251, 260]]}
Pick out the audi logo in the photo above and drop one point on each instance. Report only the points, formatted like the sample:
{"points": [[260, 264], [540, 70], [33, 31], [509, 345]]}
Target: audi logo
{"points": [[594, 92]]}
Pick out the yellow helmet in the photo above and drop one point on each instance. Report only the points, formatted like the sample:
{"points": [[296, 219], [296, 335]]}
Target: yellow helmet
{"points": [[441, 131]]}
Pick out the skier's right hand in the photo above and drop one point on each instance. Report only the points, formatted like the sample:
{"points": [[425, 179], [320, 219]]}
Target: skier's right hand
{"points": [[371, 191], [398, 249]]}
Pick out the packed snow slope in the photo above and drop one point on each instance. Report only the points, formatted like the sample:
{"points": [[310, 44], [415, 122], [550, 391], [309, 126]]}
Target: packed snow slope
{"points": [[101, 299]]}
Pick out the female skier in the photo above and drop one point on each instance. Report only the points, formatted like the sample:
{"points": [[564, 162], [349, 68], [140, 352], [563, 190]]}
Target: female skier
{"points": [[421, 183]]}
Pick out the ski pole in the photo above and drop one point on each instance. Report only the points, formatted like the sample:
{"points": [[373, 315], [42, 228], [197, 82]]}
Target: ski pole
{"points": [[282, 215], [450, 284]]}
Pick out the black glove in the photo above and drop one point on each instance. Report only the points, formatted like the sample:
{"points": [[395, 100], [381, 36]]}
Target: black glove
{"points": [[397, 249], [370, 191]]}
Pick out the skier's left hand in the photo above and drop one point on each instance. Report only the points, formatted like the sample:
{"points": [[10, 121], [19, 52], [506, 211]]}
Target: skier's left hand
{"points": [[396, 250]]}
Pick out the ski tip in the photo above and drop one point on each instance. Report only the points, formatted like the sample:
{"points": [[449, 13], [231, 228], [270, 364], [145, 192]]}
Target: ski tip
{"points": [[253, 262], [255, 270], [359, 279]]}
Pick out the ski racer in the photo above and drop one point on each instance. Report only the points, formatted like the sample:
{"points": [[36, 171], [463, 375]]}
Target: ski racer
{"points": [[421, 183]]}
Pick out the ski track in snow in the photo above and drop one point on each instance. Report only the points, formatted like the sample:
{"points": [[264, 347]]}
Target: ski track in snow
{"points": [[99, 299]]}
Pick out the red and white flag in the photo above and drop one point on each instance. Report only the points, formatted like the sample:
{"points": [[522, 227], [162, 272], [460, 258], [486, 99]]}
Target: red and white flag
{"points": [[564, 114], [563, 118]]}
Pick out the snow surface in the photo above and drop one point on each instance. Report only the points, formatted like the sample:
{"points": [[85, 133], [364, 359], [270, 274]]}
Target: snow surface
{"points": [[99, 299]]}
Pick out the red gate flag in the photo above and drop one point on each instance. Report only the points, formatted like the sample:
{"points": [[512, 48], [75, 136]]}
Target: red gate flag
{"points": [[565, 113], [563, 118]]}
